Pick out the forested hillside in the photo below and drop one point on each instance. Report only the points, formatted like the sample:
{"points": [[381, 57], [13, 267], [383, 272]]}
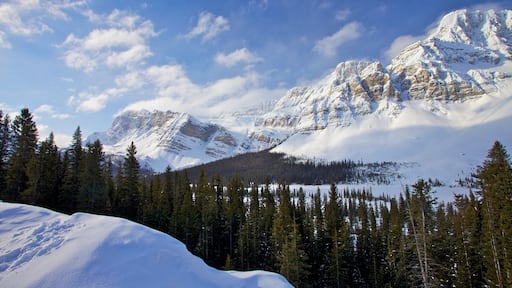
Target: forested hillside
{"points": [[278, 167], [327, 239]]}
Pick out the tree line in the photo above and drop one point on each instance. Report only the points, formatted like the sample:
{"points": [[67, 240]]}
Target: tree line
{"points": [[346, 238]]}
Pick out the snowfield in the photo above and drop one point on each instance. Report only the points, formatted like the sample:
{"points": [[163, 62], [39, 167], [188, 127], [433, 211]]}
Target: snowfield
{"points": [[42, 248]]}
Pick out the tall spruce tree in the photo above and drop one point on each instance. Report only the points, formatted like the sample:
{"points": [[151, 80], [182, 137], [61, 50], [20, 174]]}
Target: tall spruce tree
{"points": [[92, 195], [494, 179], [44, 176], [24, 145], [421, 218], [71, 181], [339, 243], [5, 142], [129, 186]]}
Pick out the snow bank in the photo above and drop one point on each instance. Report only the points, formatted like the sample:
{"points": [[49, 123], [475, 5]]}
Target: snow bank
{"points": [[42, 248]]}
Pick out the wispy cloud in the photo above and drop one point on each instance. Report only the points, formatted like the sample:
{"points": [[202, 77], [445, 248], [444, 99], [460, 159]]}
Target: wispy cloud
{"points": [[399, 44], [119, 45], [90, 101], [50, 110], [3, 42], [329, 45], [343, 14], [208, 26], [175, 91], [242, 55], [25, 18]]}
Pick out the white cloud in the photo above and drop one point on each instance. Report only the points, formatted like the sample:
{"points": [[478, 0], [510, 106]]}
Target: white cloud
{"points": [[175, 91], [343, 14], [133, 55], [50, 110], [25, 18], [399, 44], [94, 101], [45, 108], [237, 56], [327, 46], [122, 44], [487, 6], [208, 26], [130, 80], [3, 42]]}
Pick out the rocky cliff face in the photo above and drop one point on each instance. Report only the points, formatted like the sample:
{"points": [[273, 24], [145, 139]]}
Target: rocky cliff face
{"points": [[449, 63], [346, 93]]}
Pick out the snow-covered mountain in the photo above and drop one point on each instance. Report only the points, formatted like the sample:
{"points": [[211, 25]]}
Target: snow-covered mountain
{"points": [[445, 96], [177, 139], [42, 248], [464, 57]]}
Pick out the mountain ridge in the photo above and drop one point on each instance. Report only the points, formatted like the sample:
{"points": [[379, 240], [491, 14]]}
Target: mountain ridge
{"points": [[467, 56]]}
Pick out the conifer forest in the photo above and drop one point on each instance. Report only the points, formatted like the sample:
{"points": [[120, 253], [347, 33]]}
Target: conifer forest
{"points": [[333, 238]]}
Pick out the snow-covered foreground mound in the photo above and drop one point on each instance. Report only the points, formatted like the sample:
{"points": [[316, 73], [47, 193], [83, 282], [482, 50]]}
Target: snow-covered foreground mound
{"points": [[42, 248]]}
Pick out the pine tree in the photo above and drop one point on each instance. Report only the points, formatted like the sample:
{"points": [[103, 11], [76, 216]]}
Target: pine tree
{"points": [[318, 253], [421, 217], [129, 184], [205, 203], [494, 178], [339, 243], [92, 194], [443, 254], [24, 145], [44, 175], [268, 209], [5, 143], [467, 223], [396, 256], [110, 187], [235, 216], [71, 181]]}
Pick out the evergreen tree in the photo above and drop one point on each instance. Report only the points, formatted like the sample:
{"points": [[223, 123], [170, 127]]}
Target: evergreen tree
{"points": [[5, 142], [443, 254], [129, 186], [24, 145], [421, 217], [494, 178], [206, 206], [467, 223], [339, 243], [162, 197], [93, 195], [110, 187], [71, 181], [318, 253], [396, 256], [268, 209], [44, 175]]}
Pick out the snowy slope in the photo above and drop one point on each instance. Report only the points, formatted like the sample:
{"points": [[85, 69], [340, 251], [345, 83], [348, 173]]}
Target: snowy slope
{"points": [[42, 248]]}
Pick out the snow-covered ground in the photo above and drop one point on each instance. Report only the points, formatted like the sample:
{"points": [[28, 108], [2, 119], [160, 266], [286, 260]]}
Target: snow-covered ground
{"points": [[42, 248]]}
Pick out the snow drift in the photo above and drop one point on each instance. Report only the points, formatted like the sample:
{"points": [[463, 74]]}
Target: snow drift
{"points": [[42, 248]]}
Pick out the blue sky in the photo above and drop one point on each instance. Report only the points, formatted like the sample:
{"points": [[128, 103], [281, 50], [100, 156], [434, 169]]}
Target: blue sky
{"points": [[79, 63]]}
